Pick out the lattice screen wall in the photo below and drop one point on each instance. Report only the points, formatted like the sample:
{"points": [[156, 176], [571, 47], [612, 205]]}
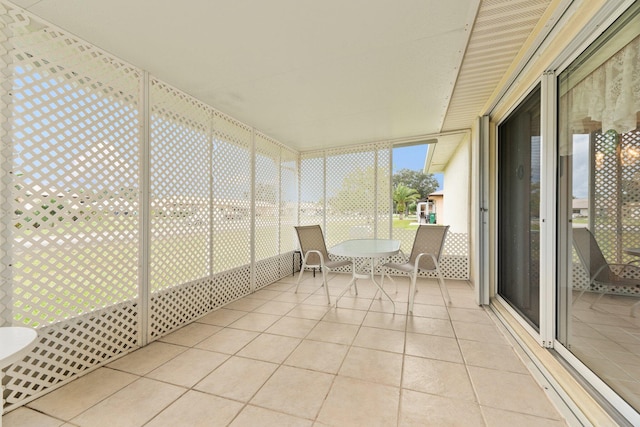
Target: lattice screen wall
{"points": [[353, 201], [614, 212], [96, 183], [83, 191]]}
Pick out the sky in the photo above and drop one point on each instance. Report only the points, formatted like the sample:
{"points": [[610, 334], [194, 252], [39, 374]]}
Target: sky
{"points": [[413, 157]]}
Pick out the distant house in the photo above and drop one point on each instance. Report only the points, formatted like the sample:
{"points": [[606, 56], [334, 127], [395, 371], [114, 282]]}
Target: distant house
{"points": [[580, 207]]}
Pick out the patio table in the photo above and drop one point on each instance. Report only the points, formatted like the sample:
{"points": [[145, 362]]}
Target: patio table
{"points": [[372, 250]]}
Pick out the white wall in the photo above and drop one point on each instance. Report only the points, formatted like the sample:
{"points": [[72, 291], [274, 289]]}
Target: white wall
{"points": [[456, 190]]}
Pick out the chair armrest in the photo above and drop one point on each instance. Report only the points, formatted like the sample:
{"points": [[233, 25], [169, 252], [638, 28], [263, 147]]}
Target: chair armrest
{"points": [[313, 251], [417, 262]]}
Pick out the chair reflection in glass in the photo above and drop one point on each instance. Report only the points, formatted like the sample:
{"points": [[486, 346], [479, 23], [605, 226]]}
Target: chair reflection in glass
{"points": [[315, 255], [602, 274], [425, 256]]}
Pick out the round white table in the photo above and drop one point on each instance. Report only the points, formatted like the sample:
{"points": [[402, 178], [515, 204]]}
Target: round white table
{"points": [[371, 249], [15, 343]]}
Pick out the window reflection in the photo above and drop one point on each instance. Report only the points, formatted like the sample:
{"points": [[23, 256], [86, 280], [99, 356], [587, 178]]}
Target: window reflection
{"points": [[599, 190]]}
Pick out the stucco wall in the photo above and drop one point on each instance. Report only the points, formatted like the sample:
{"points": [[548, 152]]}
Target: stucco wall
{"points": [[456, 190]]}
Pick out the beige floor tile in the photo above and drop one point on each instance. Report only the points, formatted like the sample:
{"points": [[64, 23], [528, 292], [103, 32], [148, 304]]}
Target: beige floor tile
{"points": [[385, 306], [380, 339], [257, 322], [297, 298], [318, 356], [228, 341], [146, 359], [479, 332], [499, 418], [250, 414], [267, 294], [24, 417], [222, 317], [421, 409], [81, 394], [494, 356], [308, 311], [432, 311], [292, 327], [426, 325], [345, 315], [189, 367], [353, 402], [511, 391], [270, 348], [134, 405], [319, 299], [197, 409], [396, 322], [469, 315], [338, 333], [294, 391], [275, 307], [238, 378], [437, 377], [354, 303], [191, 334], [246, 304], [433, 347], [376, 366]]}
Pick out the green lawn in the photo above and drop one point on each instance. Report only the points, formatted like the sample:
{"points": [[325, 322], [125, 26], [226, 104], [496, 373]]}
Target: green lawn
{"points": [[404, 223]]}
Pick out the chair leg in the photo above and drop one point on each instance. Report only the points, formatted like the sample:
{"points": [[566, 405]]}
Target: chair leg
{"points": [[325, 284], [576, 300], [304, 265], [443, 286], [412, 291], [634, 307], [596, 301]]}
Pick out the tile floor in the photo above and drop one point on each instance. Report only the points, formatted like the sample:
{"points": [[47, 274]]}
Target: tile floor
{"points": [[606, 338], [279, 358]]}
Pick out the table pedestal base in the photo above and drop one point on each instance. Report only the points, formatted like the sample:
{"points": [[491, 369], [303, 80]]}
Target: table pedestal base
{"points": [[359, 275]]}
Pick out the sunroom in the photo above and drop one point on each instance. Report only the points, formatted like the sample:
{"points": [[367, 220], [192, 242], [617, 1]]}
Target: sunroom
{"points": [[156, 158]]}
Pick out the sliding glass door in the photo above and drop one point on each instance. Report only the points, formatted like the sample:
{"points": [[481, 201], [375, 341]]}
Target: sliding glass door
{"points": [[518, 209]]}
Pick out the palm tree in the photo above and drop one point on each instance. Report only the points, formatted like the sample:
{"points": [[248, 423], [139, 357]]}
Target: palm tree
{"points": [[403, 195]]}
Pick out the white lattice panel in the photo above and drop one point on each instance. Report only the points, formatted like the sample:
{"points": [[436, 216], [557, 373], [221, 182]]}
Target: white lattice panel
{"points": [[232, 148], [173, 308], [268, 270], [267, 197], [616, 193], [351, 195], [383, 197], [288, 200], [70, 348], [180, 167], [312, 177], [231, 285], [75, 133]]}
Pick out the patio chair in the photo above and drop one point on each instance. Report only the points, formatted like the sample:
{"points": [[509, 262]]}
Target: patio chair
{"points": [[602, 273], [315, 255], [425, 256]]}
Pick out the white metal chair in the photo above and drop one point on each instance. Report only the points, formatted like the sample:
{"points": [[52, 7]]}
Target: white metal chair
{"points": [[315, 255], [425, 256], [601, 272]]}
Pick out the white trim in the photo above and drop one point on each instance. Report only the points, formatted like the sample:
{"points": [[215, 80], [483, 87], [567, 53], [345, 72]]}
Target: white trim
{"points": [[548, 208], [144, 246], [606, 16], [480, 209], [518, 317], [607, 393]]}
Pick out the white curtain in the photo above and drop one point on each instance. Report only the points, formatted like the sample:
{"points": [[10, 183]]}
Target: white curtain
{"points": [[609, 95]]}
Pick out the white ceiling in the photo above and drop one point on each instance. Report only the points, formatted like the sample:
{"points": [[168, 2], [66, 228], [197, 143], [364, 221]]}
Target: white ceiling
{"points": [[311, 74]]}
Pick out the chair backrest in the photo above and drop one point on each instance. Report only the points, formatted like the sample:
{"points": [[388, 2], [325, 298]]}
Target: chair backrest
{"points": [[590, 254], [429, 239], [311, 238]]}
